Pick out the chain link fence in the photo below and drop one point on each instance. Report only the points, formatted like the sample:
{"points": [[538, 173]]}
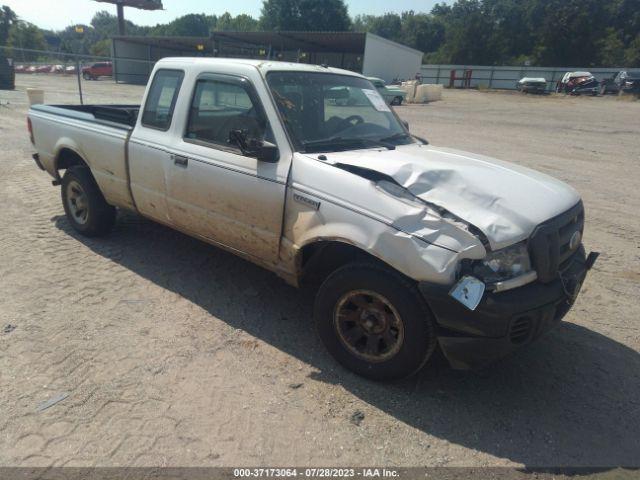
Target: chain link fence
{"points": [[505, 78], [65, 70]]}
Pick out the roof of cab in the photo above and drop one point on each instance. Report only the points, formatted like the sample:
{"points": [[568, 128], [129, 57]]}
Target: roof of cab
{"points": [[263, 66]]}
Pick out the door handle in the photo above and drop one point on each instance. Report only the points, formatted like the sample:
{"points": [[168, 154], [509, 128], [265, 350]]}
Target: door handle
{"points": [[180, 160]]}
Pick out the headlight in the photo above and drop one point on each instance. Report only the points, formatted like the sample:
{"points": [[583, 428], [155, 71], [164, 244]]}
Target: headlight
{"points": [[505, 264]]}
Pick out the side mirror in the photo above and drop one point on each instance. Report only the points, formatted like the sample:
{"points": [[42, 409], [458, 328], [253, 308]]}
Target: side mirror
{"points": [[262, 150], [268, 152], [406, 124]]}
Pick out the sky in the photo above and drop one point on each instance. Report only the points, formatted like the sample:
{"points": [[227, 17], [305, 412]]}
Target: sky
{"points": [[58, 14]]}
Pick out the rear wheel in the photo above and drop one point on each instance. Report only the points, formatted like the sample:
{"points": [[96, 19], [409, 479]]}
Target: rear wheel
{"points": [[84, 205], [374, 322], [397, 101]]}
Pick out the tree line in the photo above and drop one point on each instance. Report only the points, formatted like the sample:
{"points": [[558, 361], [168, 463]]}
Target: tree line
{"points": [[587, 33]]}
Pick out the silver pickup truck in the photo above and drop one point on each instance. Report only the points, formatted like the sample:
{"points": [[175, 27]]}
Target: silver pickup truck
{"points": [[306, 171]]}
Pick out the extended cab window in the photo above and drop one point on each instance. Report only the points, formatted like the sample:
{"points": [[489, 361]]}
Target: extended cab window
{"points": [[220, 107], [161, 101]]}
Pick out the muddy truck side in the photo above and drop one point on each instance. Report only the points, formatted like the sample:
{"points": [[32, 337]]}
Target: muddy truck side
{"points": [[306, 171]]}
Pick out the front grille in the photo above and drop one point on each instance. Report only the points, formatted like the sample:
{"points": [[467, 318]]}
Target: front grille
{"points": [[520, 330], [549, 244]]}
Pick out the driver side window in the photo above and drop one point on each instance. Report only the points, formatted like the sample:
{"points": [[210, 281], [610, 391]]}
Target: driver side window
{"points": [[218, 108]]}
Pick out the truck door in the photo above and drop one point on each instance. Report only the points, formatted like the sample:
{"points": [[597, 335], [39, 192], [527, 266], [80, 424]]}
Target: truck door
{"points": [[213, 189], [148, 155]]}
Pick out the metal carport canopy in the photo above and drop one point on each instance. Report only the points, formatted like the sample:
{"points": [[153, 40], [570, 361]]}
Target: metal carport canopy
{"points": [[141, 4], [347, 42]]}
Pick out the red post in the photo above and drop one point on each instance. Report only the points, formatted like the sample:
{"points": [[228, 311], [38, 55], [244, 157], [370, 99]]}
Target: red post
{"points": [[467, 78], [452, 79]]}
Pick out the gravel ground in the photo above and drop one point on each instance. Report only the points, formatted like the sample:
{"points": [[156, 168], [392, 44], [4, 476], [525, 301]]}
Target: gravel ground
{"points": [[169, 352]]}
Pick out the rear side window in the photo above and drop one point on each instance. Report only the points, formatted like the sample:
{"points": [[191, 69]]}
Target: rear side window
{"points": [[161, 101]]}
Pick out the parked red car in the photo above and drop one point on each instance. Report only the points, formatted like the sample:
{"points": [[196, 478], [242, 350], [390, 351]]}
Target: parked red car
{"points": [[97, 70]]}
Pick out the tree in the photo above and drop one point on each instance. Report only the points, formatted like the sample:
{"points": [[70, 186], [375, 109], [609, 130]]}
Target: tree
{"points": [[632, 54], [421, 31], [101, 48], [192, 25], [106, 25], [388, 26], [468, 34], [7, 19], [611, 51], [241, 23], [569, 32], [78, 43], [25, 35], [305, 15]]}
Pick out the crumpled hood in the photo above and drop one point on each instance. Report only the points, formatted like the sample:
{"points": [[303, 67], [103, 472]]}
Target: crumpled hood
{"points": [[505, 201]]}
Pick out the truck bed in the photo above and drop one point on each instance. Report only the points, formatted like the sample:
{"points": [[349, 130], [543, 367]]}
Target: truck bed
{"points": [[125, 115], [99, 134]]}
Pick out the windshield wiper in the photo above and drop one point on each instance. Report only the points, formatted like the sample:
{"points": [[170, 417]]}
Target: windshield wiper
{"points": [[402, 135], [395, 137], [344, 142]]}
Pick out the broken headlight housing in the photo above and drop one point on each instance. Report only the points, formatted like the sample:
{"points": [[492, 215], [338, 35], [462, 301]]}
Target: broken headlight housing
{"points": [[504, 264]]}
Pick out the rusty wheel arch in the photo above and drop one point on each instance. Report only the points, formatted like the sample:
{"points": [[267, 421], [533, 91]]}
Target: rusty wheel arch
{"points": [[317, 260]]}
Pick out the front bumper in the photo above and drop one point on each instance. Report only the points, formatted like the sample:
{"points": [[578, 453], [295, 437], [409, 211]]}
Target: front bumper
{"points": [[504, 321]]}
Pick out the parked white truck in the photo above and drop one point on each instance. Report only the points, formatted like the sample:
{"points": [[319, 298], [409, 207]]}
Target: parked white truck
{"points": [[306, 171]]}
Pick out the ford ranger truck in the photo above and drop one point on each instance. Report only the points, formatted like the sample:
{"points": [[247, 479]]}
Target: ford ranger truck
{"points": [[306, 171]]}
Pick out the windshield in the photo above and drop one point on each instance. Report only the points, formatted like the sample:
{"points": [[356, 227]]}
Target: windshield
{"points": [[325, 112]]}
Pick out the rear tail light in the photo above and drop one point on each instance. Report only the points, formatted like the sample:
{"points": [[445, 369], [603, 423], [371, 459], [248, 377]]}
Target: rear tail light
{"points": [[30, 128]]}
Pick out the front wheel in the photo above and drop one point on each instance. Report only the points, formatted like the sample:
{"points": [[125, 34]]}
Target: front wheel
{"points": [[397, 101], [374, 322], [84, 205]]}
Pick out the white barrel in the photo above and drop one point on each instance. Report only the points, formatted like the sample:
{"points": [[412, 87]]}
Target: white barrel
{"points": [[434, 92], [428, 93], [410, 88], [36, 96]]}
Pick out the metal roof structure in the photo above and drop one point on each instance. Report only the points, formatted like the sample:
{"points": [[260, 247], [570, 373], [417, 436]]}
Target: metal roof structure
{"points": [[348, 42], [175, 43], [141, 4]]}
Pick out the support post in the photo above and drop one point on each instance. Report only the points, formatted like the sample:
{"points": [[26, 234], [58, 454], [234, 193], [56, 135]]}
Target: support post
{"points": [[78, 74], [121, 24]]}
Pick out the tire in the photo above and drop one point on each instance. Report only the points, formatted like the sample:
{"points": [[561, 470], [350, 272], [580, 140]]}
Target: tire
{"points": [[84, 205], [603, 90], [341, 323], [86, 76], [397, 101]]}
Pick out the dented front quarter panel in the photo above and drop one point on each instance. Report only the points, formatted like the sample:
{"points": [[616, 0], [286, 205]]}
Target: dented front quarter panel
{"points": [[327, 203]]}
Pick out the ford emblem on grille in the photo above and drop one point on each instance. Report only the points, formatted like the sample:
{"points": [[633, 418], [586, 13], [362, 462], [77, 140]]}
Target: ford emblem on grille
{"points": [[575, 240]]}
